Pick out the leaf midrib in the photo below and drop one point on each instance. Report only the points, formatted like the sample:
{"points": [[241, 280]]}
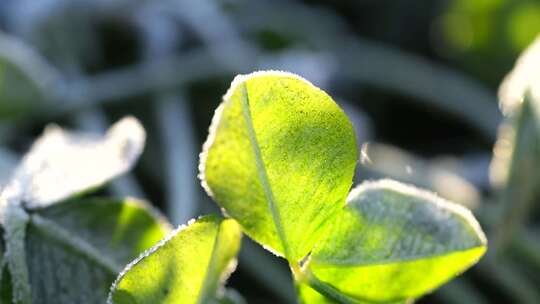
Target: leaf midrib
{"points": [[261, 169], [207, 282], [74, 243]]}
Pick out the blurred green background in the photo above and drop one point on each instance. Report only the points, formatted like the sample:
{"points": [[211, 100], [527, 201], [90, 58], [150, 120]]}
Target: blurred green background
{"points": [[418, 80]]}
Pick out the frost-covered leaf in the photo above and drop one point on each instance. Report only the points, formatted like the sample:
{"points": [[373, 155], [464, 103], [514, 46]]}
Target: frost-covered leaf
{"points": [[62, 163], [71, 252], [280, 159], [119, 229], [394, 242], [76, 249], [14, 222], [186, 267]]}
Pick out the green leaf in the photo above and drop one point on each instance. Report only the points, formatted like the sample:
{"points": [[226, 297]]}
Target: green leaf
{"points": [[308, 295], [186, 267], [61, 164], [6, 289], [76, 249], [279, 159], [394, 242], [72, 252], [119, 229]]}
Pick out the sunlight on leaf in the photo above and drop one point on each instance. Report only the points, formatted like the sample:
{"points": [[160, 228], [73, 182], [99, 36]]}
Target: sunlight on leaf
{"points": [[279, 158], [394, 242], [61, 163], [309, 296], [187, 267]]}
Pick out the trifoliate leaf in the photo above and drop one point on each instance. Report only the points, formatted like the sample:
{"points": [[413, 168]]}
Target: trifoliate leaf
{"points": [[279, 159], [186, 267], [393, 242]]}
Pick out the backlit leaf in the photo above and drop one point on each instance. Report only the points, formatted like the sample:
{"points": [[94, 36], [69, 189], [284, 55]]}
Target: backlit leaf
{"points": [[280, 159], [186, 267], [309, 296], [394, 242]]}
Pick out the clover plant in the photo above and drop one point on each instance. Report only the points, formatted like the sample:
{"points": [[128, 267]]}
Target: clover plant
{"points": [[279, 160]]}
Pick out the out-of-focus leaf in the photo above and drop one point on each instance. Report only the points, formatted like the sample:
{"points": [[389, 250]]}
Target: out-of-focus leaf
{"points": [[517, 151], [186, 267], [25, 79], [75, 249], [61, 164], [394, 242], [524, 76], [6, 289], [280, 159], [515, 167]]}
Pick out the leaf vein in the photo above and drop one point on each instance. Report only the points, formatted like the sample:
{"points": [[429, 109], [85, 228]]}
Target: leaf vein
{"points": [[263, 175]]}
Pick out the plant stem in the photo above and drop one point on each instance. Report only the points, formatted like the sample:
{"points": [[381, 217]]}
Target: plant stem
{"points": [[303, 275]]}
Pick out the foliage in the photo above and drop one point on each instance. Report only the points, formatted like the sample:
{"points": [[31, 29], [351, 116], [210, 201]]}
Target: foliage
{"points": [[290, 153], [186, 267], [61, 248], [417, 82], [280, 158]]}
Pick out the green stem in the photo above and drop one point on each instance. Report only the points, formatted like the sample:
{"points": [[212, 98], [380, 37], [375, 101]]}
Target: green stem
{"points": [[305, 276]]}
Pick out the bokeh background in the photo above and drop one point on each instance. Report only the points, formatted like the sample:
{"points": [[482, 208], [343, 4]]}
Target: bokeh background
{"points": [[418, 80]]}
